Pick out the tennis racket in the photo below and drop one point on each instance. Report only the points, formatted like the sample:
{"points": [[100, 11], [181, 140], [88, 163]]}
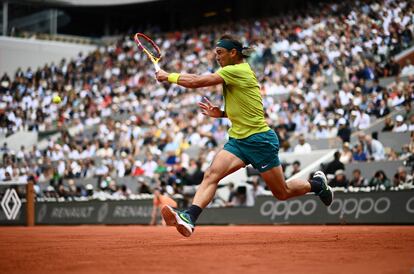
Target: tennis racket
{"points": [[149, 47]]}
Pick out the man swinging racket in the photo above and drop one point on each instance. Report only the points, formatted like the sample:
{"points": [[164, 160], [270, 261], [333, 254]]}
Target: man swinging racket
{"points": [[251, 139]]}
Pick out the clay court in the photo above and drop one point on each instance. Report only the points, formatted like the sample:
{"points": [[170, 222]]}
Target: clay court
{"points": [[220, 249]]}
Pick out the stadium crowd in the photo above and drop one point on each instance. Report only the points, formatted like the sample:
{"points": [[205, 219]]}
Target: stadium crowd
{"points": [[319, 73]]}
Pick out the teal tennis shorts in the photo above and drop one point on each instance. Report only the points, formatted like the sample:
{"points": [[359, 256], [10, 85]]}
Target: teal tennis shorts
{"points": [[260, 149]]}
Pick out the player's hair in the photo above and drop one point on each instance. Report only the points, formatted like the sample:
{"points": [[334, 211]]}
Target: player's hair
{"points": [[243, 52]]}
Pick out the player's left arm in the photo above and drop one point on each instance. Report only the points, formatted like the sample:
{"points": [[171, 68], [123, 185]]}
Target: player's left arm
{"points": [[207, 108], [190, 80]]}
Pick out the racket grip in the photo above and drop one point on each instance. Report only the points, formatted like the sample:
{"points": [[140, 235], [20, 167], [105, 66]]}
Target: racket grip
{"points": [[157, 67]]}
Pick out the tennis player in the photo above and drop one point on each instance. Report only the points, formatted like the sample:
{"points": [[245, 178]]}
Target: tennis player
{"points": [[251, 139]]}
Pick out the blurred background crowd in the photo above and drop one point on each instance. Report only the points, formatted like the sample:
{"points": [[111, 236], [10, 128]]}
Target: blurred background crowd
{"points": [[319, 72]]}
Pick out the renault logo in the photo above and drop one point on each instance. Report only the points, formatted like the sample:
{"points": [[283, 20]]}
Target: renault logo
{"points": [[11, 197]]}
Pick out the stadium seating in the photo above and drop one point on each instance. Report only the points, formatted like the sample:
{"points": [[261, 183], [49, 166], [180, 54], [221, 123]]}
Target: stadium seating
{"points": [[311, 76]]}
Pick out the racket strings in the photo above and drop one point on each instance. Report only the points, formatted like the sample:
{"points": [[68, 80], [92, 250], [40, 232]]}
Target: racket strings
{"points": [[152, 49]]}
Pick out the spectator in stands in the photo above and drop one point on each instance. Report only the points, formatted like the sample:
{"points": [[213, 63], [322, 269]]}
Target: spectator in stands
{"points": [[408, 69], [238, 197], [357, 179], [232, 192], [393, 67], [332, 129], [335, 165], [197, 175], [388, 124], [321, 130], [361, 119], [283, 136], [400, 126], [411, 144], [113, 188], [382, 110], [375, 149], [72, 191], [4, 149], [391, 154], [359, 154], [411, 123], [344, 131], [105, 151], [149, 165], [62, 191], [88, 193], [143, 187], [302, 146], [376, 87], [346, 154], [50, 192], [253, 189], [4, 83], [405, 152], [295, 168], [257, 189], [380, 181], [402, 179], [161, 167], [339, 179], [115, 86]]}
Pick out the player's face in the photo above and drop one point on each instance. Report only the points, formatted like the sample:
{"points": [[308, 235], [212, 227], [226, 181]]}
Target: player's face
{"points": [[223, 56]]}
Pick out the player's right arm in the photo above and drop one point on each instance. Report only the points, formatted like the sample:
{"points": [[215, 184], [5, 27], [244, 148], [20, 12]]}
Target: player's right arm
{"points": [[190, 80]]}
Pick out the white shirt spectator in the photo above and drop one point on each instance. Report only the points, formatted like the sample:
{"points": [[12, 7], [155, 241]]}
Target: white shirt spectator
{"points": [[345, 97], [74, 154], [101, 170], [57, 155], [61, 168], [322, 131], [105, 152], [362, 120], [400, 126], [120, 167], [85, 154], [302, 148], [375, 148], [92, 121], [21, 154], [2, 174], [251, 194], [194, 138], [76, 168], [407, 70], [149, 168]]}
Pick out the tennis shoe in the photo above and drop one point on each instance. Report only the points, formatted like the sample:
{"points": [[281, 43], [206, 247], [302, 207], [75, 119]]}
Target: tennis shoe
{"points": [[181, 220], [326, 194]]}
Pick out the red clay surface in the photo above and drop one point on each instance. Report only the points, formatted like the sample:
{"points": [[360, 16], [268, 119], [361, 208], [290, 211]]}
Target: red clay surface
{"points": [[219, 249]]}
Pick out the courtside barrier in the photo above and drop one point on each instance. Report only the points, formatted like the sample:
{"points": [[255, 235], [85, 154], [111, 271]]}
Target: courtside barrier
{"points": [[388, 207], [17, 203]]}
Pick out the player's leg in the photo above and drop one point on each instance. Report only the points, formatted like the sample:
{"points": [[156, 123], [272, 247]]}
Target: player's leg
{"points": [[263, 152], [224, 163], [275, 180], [283, 190]]}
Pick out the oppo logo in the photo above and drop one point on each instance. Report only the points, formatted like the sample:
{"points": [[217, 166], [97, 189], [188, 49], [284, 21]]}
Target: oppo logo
{"points": [[341, 207], [287, 208], [358, 207], [410, 205]]}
